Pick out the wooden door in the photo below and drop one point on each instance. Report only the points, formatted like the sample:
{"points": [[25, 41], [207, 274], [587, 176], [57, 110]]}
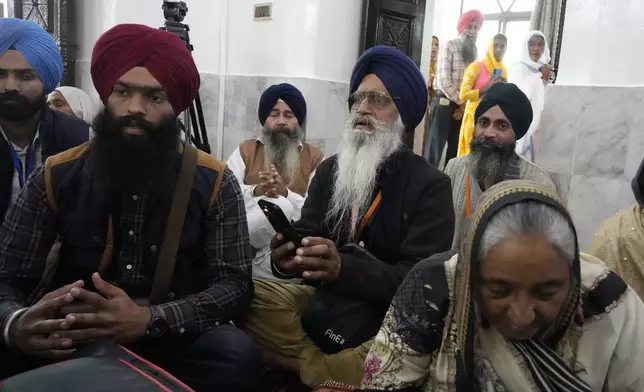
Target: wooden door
{"points": [[397, 23]]}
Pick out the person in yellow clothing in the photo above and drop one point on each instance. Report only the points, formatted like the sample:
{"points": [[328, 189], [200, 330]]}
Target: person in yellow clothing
{"points": [[479, 77]]}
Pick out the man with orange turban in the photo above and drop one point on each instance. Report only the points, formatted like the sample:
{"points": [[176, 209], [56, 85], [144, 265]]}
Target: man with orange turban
{"points": [[112, 197], [446, 110]]}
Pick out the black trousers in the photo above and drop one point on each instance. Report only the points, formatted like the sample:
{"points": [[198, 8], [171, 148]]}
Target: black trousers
{"points": [[442, 129], [224, 359]]}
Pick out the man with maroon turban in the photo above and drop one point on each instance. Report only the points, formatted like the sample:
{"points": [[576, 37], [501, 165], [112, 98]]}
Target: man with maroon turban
{"points": [[446, 110], [115, 192]]}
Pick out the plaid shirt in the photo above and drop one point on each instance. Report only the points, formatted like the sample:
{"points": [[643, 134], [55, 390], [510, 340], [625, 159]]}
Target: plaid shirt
{"points": [[31, 228], [451, 69]]}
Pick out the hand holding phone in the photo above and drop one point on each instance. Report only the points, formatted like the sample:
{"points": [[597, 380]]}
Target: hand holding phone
{"points": [[280, 223], [498, 73]]}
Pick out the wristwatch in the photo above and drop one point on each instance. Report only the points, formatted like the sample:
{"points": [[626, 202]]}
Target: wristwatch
{"points": [[158, 326]]}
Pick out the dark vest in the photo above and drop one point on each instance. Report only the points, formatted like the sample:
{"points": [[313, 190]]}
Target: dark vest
{"points": [[58, 132], [252, 152], [83, 210]]}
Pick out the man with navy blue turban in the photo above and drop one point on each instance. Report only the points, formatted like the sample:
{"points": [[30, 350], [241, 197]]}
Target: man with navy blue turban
{"points": [[277, 166], [373, 211], [30, 68]]}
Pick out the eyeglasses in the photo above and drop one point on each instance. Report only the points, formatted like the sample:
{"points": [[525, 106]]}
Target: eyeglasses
{"points": [[375, 98]]}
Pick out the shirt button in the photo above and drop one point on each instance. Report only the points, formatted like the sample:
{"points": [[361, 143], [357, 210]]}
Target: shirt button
{"points": [[182, 331], [170, 296], [129, 266], [135, 197], [153, 248], [131, 232]]}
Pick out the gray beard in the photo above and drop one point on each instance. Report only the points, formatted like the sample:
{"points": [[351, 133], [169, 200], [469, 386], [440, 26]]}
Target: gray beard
{"points": [[359, 160], [469, 50], [282, 149], [488, 166]]}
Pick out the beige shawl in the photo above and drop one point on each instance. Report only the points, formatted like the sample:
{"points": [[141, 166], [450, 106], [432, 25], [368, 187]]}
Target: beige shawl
{"points": [[620, 243]]}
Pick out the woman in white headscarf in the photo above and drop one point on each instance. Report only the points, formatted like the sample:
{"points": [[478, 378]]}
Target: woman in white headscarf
{"points": [[74, 102], [531, 74]]}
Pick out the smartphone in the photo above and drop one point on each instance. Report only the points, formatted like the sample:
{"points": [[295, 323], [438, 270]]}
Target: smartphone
{"points": [[280, 223], [497, 73]]}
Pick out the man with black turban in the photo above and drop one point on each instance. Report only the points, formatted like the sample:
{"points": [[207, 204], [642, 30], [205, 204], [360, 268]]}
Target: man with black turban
{"points": [[278, 167], [30, 68], [373, 211], [109, 201], [502, 117]]}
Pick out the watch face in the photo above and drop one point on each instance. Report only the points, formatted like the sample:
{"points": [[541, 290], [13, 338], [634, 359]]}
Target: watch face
{"points": [[158, 327]]}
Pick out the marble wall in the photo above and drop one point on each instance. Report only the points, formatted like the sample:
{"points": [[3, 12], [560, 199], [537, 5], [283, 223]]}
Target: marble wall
{"points": [[591, 144], [326, 108]]}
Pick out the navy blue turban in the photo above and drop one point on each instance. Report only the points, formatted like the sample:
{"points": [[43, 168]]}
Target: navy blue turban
{"points": [[514, 104], [36, 46], [401, 77], [287, 93]]}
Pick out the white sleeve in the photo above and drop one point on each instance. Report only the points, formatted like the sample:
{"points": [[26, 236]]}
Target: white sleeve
{"points": [[298, 201], [625, 370], [259, 228], [238, 167]]}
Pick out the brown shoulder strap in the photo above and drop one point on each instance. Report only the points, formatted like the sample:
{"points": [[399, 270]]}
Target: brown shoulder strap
{"points": [[174, 227]]}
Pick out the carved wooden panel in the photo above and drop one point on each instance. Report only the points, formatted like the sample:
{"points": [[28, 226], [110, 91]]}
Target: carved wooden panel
{"points": [[394, 30], [52, 15]]}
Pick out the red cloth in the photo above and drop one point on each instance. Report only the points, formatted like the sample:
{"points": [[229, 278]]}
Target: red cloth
{"points": [[469, 17], [165, 56]]}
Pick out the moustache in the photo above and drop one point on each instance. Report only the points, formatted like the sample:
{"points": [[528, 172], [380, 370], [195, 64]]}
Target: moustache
{"points": [[13, 98], [364, 120], [491, 146], [134, 122]]}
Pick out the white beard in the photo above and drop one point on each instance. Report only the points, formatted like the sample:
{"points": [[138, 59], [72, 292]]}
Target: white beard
{"points": [[361, 156]]}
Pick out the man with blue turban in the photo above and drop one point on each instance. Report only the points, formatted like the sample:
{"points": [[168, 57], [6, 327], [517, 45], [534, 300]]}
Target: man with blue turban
{"points": [[373, 211], [30, 68], [277, 166]]}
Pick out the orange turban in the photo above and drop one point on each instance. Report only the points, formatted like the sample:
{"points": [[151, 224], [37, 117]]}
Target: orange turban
{"points": [[469, 17]]}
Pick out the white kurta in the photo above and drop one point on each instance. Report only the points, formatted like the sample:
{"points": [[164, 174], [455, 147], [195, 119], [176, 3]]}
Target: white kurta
{"points": [[259, 228]]}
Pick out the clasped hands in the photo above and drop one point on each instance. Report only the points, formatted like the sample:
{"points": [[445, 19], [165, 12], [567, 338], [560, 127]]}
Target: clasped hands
{"points": [[317, 258], [40, 331], [272, 184]]}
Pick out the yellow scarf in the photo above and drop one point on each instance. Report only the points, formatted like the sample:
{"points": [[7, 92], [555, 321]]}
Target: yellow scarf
{"points": [[491, 63]]}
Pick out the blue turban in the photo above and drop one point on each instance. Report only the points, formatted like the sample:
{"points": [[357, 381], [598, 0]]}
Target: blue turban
{"points": [[287, 93], [401, 77], [36, 46]]}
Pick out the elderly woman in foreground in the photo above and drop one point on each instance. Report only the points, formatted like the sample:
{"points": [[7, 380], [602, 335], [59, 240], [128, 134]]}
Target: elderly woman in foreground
{"points": [[518, 309]]}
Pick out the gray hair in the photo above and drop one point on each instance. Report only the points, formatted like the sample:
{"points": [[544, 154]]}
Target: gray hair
{"points": [[530, 218]]}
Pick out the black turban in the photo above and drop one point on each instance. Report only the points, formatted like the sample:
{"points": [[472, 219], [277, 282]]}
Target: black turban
{"points": [[514, 104], [401, 77], [287, 93]]}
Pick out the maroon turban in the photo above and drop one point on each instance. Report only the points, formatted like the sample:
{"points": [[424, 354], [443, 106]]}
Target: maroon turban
{"points": [[469, 17], [165, 56]]}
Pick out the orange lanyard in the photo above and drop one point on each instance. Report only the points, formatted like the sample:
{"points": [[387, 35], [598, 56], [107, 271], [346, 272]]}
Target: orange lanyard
{"points": [[367, 217], [467, 195]]}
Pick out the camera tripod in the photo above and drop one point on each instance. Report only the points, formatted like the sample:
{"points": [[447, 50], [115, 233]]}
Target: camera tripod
{"points": [[174, 12]]}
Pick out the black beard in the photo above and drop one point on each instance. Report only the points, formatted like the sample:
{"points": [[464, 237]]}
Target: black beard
{"points": [[129, 163], [489, 161], [15, 107], [469, 51]]}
